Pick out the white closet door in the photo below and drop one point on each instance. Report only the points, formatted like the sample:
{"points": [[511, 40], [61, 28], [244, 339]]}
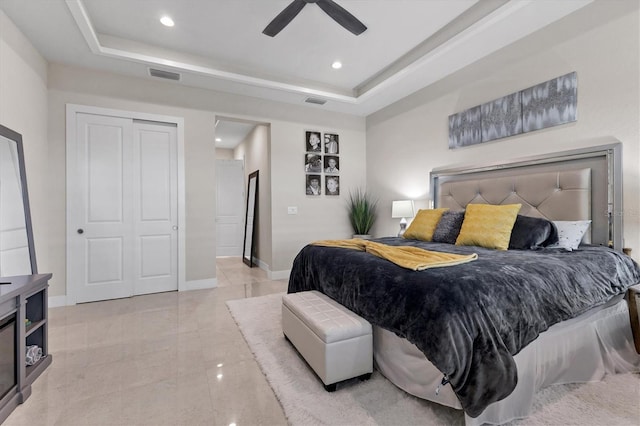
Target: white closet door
{"points": [[101, 241], [229, 207], [156, 207], [122, 208]]}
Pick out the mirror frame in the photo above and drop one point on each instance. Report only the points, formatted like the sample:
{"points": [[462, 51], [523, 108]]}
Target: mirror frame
{"points": [[249, 260], [17, 138]]}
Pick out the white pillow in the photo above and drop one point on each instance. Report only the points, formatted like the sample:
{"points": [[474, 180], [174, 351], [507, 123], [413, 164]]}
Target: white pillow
{"points": [[570, 233]]}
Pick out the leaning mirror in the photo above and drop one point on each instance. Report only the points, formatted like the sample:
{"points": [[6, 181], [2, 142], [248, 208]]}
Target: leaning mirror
{"points": [[250, 222], [17, 254]]}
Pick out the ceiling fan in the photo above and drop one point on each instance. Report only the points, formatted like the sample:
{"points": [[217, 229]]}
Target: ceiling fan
{"points": [[331, 8]]}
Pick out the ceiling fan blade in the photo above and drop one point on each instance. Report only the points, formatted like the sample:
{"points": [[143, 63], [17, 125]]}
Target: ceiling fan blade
{"points": [[342, 16], [284, 17]]}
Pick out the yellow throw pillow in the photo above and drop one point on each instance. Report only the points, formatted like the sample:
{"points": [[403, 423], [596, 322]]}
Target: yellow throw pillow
{"points": [[423, 225], [487, 225]]}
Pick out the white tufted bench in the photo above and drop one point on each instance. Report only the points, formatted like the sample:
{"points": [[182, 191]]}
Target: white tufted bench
{"points": [[334, 341]]}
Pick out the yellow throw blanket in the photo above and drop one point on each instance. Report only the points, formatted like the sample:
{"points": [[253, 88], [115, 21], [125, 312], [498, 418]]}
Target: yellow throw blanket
{"points": [[413, 258]]}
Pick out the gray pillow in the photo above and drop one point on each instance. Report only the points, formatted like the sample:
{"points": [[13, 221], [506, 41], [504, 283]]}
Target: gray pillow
{"points": [[530, 233], [448, 227]]}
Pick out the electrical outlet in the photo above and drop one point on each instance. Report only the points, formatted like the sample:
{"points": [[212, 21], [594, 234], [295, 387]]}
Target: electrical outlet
{"points": [[292, 210]]}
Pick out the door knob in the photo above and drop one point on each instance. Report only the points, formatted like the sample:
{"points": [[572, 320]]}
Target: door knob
{"points": [[80, 231]]}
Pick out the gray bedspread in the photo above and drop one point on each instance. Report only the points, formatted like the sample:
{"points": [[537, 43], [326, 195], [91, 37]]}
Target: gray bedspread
{"points": [[471, 319]]}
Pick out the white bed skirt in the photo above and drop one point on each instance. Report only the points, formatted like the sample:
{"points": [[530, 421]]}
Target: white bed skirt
{"points": [[583, 349]]}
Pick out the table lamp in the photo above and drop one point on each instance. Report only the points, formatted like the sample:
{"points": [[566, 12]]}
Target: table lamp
{"points": [[402, 209]]}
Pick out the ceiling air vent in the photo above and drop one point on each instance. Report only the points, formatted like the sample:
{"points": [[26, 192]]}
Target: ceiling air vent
{"points": [[154, 72], [315, 101]]}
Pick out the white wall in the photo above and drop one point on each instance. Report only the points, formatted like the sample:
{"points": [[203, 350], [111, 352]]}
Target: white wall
{"points": [[23, 109], [199, 153], [319, 217], [392, 155], [411, 137], [199, 107], [224, 154], [255, 151]]}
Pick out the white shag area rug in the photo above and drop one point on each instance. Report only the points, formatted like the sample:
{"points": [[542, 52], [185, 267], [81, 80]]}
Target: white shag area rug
{"points": [[614, 401]]}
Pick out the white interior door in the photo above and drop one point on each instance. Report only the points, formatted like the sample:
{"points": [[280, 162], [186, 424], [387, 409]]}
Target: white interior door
{"points": [[155, 206], [229, 207], [101, 240], [122, 208]]}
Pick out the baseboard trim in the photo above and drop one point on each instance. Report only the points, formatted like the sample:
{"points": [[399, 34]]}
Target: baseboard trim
{"points": [[279, 275], [261, 264], [58, 301], [200, 284]]}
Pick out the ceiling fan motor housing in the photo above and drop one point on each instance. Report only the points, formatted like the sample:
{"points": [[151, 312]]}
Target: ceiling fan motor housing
{"points": [[331, 8]]}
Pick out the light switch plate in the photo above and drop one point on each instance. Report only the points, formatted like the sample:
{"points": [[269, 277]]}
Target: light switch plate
{"points": [[292, 210]]}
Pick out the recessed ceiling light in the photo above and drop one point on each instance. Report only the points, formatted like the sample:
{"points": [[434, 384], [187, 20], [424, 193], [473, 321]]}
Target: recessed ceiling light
{"points": [[336, 65], [218, 140], [167, 21]]}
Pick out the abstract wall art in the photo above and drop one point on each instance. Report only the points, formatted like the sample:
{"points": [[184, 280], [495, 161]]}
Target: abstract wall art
{"points": [[547, 104]]}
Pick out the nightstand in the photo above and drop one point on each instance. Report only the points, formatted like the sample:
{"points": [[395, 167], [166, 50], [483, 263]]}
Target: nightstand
{"points": [[633, 298]]}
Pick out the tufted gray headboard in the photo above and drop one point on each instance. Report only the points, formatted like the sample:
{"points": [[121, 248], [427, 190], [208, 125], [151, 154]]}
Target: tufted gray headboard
{"points": [[562, 195], [571, 185]]}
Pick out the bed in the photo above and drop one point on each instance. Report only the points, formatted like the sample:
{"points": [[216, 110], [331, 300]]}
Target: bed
{"points": [[485, 336]]}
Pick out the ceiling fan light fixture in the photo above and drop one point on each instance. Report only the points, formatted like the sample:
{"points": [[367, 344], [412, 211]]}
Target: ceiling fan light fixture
{"points": [[336, 65], [330, 7], [167, 21]]}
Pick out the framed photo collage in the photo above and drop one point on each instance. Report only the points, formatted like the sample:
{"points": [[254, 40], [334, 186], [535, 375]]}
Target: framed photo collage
{"points": [[322, 163]]}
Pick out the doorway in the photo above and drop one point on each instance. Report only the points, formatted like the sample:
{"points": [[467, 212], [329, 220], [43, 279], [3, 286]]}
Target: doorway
{"points": [[125, 204], [230, 195], [232, 138]]}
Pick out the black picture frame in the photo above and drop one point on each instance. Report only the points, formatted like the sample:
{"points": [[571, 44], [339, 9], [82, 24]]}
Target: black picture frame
{"points": [[331, 185], [329, 168], [313, 141], [331, 144], [312, 163], [311, 189]]}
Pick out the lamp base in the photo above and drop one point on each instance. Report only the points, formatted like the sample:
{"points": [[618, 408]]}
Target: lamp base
{"points": [[403, 227]]}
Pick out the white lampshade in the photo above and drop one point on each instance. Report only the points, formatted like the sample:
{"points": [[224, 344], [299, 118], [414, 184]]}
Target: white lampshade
{"points": [[401, 209]]}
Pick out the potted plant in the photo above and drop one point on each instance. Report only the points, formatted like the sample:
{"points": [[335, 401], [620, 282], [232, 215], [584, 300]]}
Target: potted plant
{"points": [[362, 212]]}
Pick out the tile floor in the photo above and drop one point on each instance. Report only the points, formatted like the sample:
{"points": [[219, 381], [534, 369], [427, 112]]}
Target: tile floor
{"points": [[162, 359]]}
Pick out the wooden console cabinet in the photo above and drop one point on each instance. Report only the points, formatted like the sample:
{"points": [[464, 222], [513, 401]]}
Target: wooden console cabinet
{"points": [[25, 297]]}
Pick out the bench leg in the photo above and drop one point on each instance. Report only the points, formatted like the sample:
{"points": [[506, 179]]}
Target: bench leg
{"points": [[364, 377], [330, 388]]}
